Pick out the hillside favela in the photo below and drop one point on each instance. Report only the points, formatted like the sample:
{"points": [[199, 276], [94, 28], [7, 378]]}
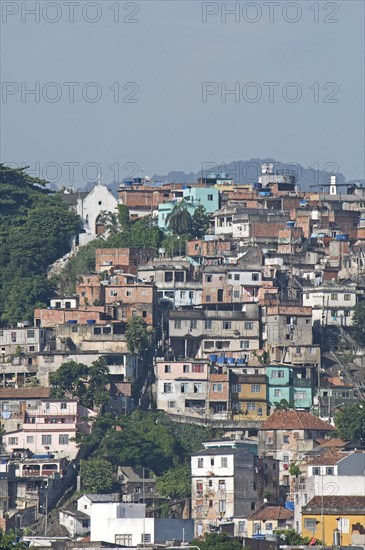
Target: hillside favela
{"points": [[182, 364]]}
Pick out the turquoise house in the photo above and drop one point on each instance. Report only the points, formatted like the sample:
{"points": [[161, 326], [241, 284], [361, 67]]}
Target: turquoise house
{"points": [[193, 197], [285, 383]]}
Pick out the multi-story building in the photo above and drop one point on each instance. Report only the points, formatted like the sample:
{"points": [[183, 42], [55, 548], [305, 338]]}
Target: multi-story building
{"points": [[228, 483], [331, 304], [248, 396], [293, 385], [287, 434], [49, 427], [199, 333]]}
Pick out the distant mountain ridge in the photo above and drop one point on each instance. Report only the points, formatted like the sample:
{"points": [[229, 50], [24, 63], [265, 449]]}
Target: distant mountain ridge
{"points": [[248, 171]]}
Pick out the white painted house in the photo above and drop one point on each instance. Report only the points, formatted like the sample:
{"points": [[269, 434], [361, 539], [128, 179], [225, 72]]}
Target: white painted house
{"points": [[89, 206], [331, 304], [126, 524]]}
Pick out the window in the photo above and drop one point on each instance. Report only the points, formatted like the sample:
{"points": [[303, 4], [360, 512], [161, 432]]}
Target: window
{"points": [[49, 359], [146, 537], [210, 197], [13, 441], [97, 330], [200, 463], [285, 439], [184, 388], [245, 344], [299, 395], [30, 333], [46, 440], [310, 524], [222, 506], [167, 388], [236, 388], [316, 471], [212, 461], [227, 325], [224, 462], [333, 314], [347, 297], [171, 404], [208, 325], [144, 314], [330, 471], [167, 368], [177, 323], [277, 393], [281, 374], [68, 305], [207, 298], [236, 276], [31, 348], [63, 439], [286, 459], [208, 278], [253, 505], [298, 350], [199, 487], [255, 277], [30, 439], [248, 325], [128, 293], [63, 406], [186, 368], [217, 387], [259, 411], [113, 293], [255, 388], [251, 406], [197, 368], [236, 293], [334, 296], [198, 387], [193, 324], [241, 526]]}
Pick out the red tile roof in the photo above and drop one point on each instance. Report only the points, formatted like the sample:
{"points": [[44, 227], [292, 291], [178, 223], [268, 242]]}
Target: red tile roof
{"points": [[330, 457], [295, 420], [272, 513], [333, 442], [24, 393]]}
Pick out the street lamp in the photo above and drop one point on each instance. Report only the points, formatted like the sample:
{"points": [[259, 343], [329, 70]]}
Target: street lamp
{"points": [[340, 528]]}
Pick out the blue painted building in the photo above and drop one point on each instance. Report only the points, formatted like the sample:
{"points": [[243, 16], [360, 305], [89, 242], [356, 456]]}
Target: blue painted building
{"points": [[193, 197], [286, 383]]}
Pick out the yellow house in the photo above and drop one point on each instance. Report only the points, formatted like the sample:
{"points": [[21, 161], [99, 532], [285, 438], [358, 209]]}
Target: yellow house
{"points": [[248, 395], [333, 519], [267, 519]]}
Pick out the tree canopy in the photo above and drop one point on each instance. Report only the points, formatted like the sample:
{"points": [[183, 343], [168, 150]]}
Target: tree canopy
{"points": [[96, 475], [358, 321], [76, 380], [179, 220], [137, 335], [144, 439], [350, 422], [36, 228], [217, 541]]}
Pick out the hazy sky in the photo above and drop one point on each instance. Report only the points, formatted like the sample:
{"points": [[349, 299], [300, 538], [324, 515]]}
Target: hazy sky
{"points": [[160, 70]]}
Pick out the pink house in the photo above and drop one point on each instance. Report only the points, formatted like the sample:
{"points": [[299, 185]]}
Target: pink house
{"points": [[50, 427]]}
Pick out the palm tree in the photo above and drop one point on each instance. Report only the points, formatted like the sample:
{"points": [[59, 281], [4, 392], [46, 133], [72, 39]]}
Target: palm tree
{"points": [[179, 220]]}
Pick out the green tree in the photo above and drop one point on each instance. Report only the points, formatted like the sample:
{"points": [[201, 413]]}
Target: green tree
{"points": [[179, 220], [76, 380], [10, 541], [175, 483], [217, 541], [350, 422], [137, 335], [284, 405], [200, 222], [36, 228], [96, 475], [358, 321], [291, 537]]}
